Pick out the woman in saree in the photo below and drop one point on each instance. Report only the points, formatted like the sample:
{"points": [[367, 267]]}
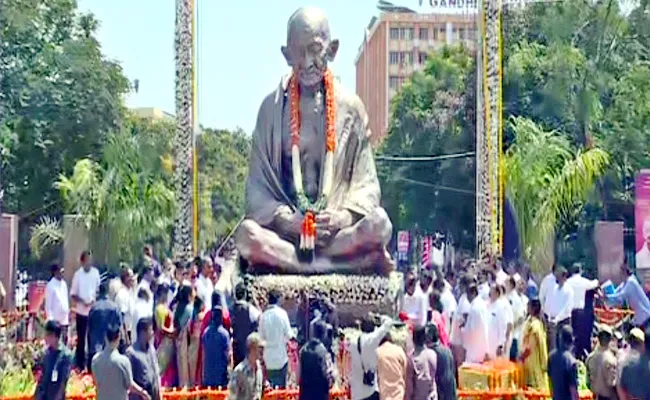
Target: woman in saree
{"points": [[436, 318], [164, 338], [198, 312], [535, 352], [217, 300], [182, 326]]}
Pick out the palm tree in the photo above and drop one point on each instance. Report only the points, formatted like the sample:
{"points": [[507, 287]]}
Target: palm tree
{"points": [[547, 180], [124, 201]]}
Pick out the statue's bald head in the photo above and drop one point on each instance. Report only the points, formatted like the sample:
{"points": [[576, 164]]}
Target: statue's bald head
{"points": [[309, 46], [308, 21]]}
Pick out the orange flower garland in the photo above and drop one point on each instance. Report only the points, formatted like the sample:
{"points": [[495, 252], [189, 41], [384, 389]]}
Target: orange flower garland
{"points": [[308, 227], [330, 111]]}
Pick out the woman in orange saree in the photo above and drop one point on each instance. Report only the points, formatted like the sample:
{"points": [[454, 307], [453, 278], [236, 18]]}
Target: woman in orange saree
{"points": [[164, 338]]}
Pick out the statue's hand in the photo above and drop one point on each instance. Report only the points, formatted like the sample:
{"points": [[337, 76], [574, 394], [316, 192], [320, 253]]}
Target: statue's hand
{"points": [[329, 222], [288, 222]]}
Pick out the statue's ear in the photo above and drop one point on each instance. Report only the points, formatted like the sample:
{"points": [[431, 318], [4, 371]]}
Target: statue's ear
{"points": [[287, 55], [332, 49]]}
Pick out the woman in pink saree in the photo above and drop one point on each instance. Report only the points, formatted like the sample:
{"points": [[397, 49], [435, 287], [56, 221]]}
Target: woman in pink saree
{"points": [[436, 318], [183, 325], [198, 312], [164, 338]]}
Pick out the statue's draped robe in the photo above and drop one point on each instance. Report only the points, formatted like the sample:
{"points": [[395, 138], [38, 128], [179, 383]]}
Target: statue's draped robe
{"points": [[355, 184]]}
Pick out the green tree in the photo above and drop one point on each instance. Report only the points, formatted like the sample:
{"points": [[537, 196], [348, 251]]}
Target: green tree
{"points": [[59, 98], [125, 200], [223, 167], [434, 113]]}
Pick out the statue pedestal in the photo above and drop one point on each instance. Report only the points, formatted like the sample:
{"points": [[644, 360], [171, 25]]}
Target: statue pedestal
{"points": [[353, 295]]}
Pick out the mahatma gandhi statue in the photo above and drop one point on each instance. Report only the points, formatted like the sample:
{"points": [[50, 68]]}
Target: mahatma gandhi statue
{"points": [[312, 186]]}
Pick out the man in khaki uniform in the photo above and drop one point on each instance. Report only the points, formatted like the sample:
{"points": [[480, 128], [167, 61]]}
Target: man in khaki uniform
{"points": [[601, 365]]}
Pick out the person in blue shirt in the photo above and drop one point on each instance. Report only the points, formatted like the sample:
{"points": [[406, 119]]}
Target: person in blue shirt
{"points": [[57, 364], [216, 351], [103, 315], [631, 292]]}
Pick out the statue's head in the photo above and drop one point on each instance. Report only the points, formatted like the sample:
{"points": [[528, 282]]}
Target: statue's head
{"points": [[309, 46]]}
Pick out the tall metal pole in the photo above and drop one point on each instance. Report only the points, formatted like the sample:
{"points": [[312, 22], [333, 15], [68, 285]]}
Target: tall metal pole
{"points": [[184, 137]]}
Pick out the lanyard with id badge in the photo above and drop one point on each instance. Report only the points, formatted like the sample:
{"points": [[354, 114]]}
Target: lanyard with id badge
{"points": [[55, 369]]}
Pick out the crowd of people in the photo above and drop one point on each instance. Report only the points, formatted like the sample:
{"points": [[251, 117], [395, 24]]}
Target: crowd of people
{"points": [[169, 327]]}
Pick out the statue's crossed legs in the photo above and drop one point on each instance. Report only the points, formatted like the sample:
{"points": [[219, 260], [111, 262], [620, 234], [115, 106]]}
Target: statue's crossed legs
{"points": [[360, 248]]}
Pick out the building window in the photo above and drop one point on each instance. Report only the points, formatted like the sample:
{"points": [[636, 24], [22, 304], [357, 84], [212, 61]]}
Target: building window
{"points": [[393, 82], [394, 57], [424, 34], [435, 33], [406, 57], [461, 33], [423, 58], [406, 33], [394, 33]]}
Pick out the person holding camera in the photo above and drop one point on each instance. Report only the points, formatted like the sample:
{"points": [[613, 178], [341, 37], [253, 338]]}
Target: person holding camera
{"points": [[363, 357]]}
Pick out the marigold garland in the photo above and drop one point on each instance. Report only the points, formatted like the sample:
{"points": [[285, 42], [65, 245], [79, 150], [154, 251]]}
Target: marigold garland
{"points": [[330, 111], [308, 227]]}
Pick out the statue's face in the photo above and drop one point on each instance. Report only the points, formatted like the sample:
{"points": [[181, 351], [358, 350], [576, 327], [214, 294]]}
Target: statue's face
{"points": [[309, 47]]}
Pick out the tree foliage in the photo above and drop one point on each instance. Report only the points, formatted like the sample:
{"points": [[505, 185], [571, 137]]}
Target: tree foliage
{"points": [[59, 98], [547, 179], [223, 167], [126, 199], [433, 113], [575, 72]]}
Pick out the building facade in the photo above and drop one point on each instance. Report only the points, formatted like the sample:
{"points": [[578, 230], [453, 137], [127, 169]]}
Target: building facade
{"points": [[396, 44]]}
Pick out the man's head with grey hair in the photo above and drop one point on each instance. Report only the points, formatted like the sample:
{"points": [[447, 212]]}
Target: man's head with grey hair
{"points": [[309, 46]]}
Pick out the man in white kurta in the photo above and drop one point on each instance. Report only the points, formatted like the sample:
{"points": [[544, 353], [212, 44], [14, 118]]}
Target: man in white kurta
{"points": [[475, 329]]}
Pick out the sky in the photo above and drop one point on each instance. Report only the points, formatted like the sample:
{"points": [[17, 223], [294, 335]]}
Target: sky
{"points": [[239, 60]]}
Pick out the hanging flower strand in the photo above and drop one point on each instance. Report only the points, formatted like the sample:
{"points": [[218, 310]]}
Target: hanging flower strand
{"points": [[308, 228]]}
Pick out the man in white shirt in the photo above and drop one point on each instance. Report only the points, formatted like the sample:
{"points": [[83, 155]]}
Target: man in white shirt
{"points": [[125, 299], [146, 283], [484, 286], [581, 319], [85, 284], [558, 305], [275, 330], [141, 309], [518, 313], [500, 275], [57, 304], [416, 303], [363, 360], [203, 284], [475, 329], [546, 285], [457, 338], [449, 304], [426, 279], [497, 325]]}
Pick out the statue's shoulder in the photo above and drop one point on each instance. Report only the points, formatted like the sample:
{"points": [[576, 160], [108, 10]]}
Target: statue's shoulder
{"points": [[351, 104], [267, 108], [350, 100]]}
